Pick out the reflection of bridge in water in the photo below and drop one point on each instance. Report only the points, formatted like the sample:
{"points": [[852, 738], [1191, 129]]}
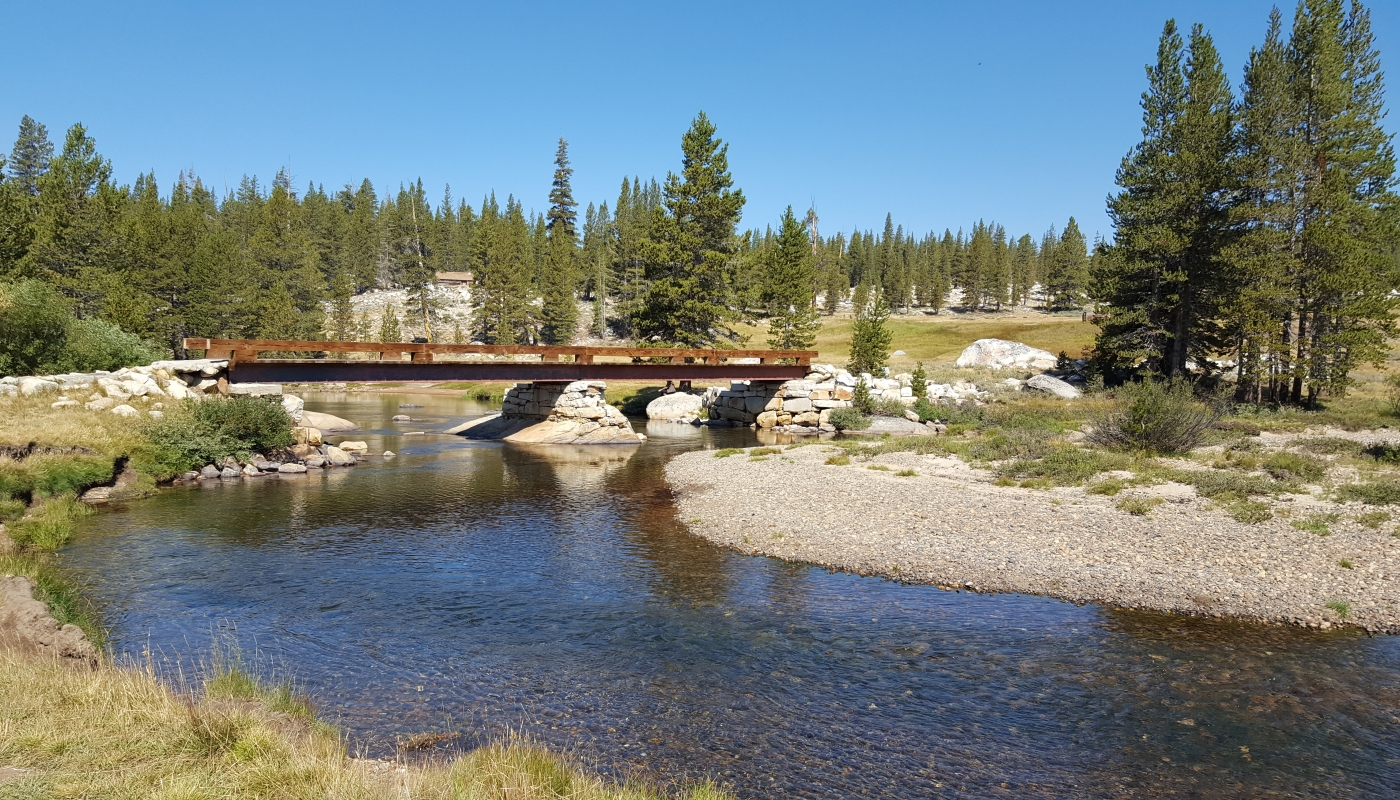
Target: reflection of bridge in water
{"points": [[384, 361]]}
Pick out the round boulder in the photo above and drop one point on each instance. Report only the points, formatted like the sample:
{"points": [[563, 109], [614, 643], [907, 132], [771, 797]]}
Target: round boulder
{"points": [[674, 407]]}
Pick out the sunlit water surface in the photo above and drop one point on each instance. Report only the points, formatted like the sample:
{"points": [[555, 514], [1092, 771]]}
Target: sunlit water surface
{"points": [[495, 589]]}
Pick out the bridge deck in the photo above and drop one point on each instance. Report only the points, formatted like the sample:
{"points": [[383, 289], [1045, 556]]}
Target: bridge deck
{"points": [[384, 361]]}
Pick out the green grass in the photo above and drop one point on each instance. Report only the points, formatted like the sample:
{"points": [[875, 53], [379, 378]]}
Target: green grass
{"points": [[839, 461], [1345, 564], [906, 473], [1328, 445], [1284, 465], [1316, 523], [1250, 512], [1341, 607], [728, 451], [1374, 493], [879, 467], [1225, 486], [1139, 506], [1108, 486], [766, 451], [1066, 465], [1373, 519], [47, 526]]}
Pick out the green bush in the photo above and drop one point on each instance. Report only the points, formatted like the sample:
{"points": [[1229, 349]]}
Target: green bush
{"points": [[1251, 512], [1004, 443], [1384, 453], [1393, 396], [1226, 486], [97, 344], [1285, 465], [848, 419], [886, 408], [204, 432], [1139, 506], [918, 381], [1154, 416], [11, 508], [1378, 493], [1108, 487], [1066, 465], [860, 398], [927, 411]]}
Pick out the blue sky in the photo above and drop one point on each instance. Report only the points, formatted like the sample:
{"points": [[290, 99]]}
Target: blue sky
{"points": [[941, 113]]}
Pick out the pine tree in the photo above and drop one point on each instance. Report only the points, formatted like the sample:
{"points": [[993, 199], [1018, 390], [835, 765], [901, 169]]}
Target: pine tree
{"points": [[870, 337], [342, 307], [689, 251], [1069, 270], [790, 288], [389, 325], [30, 158], [559, 313]]}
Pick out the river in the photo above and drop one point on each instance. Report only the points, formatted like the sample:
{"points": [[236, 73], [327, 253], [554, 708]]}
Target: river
{"points": [[493, 589]]}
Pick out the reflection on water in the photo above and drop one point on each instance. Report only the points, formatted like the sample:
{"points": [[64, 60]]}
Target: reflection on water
{"points": [[490, 588]]}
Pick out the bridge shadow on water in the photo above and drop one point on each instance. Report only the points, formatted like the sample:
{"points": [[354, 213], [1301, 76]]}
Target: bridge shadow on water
{"points": [[492, 588]]}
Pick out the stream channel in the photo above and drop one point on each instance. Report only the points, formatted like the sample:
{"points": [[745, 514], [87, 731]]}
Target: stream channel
{"points": [[493, 589]]}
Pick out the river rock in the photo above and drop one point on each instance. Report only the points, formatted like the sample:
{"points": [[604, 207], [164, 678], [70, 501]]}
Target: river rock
{"points": [[291, 469], [250, 471], [388, 453], [255, 389], [1053, 385], [1001, 354], [125, 410], [401, 418], [338, 457], [208, 471], [353, 447], [155, 413], [228, 473], [326, 422], [294, 406], [32, 385], [64, 403], [678, 407], [315, 462]]}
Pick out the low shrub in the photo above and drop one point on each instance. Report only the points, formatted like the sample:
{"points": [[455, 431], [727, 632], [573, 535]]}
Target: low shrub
{"points": [[1376, 493], [204, 432], [926, 410], [1393, 395], [839, 461], [1226, 486], [906, 473], [848, 419], [1066, 465], [1154, 416], [886, 408], [1319, 524], [1285, 465], [1108, 487], [1373, 519], [1383, 453], [1250, 512], [1328, 445], [1139, 506], [1004, 443]]}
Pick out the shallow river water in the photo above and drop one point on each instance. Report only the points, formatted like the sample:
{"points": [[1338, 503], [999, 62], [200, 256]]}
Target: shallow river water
{"points": [[493, 589]]}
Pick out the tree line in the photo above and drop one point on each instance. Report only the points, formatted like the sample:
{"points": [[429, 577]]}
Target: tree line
{"points": [[1262, 228], [664, 263]]}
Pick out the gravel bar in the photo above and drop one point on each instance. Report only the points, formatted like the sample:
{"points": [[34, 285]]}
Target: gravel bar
{"points": [[949, 526]]}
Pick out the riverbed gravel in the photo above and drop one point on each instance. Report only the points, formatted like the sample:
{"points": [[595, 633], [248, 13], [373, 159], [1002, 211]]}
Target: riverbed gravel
{"points": [[950, 526]]}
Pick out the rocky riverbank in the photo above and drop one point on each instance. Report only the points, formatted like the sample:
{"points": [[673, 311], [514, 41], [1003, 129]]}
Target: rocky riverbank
{"points": [[936, 520]]}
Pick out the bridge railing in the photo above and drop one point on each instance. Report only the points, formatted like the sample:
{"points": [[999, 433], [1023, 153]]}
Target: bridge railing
{"points": [[246, 350]]}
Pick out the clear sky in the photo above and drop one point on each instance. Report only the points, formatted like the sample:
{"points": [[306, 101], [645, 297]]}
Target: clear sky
{"points": [[941, 113]]}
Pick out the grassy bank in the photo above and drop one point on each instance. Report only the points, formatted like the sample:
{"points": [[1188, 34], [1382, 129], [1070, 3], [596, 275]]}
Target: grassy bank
{"points": [[118, 733]]}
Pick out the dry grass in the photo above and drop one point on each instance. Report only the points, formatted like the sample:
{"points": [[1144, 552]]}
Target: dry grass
{"points": [[940, 339], [30, 419], [120, 733]]}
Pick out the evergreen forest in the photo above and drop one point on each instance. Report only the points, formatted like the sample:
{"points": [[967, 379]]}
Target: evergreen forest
{"points": [[1256, 230]]}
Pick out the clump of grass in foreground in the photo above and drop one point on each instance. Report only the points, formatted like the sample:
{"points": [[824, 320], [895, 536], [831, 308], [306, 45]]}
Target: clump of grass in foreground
{"points": [[879, 467], [765, 451], [839, 461], [112, 732], [1108, 486], [1139, 506], [49, 525], [1250, 512], [1341, 607], [906, 473], [1373, 519], [1284, 465], [728, 451], [1376, 493], [1225, 486], [1066, 465], [1345, 563], [1316, 523]]}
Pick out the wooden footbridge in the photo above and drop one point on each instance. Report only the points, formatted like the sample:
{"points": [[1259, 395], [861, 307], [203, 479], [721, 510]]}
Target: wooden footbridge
{"points": [[327, 362]]}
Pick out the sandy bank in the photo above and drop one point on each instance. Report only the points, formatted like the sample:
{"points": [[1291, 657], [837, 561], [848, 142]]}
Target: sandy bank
{"points": [[949, 526]]}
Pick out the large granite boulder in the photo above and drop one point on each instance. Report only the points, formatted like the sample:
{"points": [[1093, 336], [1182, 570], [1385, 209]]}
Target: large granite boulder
{"points": [[326, 422], [678, 407], [554, 413], [1052, 385], [1001, 354]]}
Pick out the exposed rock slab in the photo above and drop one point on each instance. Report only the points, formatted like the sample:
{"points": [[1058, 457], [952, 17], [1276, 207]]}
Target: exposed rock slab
{"points": [[1052, 385], [677, 407], [1002, 354], [326, 422]]}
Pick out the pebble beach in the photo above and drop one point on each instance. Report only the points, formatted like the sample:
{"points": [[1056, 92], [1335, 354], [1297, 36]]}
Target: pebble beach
{"points": [[949, 526]]}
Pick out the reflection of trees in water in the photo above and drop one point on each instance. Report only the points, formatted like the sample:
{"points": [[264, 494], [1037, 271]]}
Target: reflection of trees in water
{"points": [[685, 567]]}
